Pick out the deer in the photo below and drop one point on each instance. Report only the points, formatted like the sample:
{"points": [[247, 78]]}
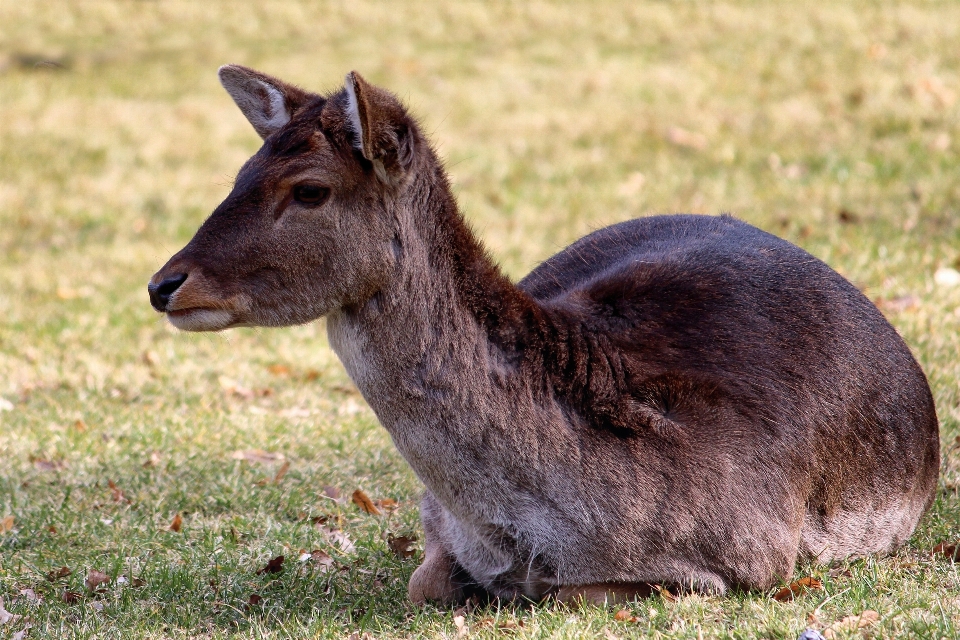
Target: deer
{"points": [[674, 401]]}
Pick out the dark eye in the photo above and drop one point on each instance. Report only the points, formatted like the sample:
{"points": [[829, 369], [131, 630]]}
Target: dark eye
{"points": [[310, 194]]}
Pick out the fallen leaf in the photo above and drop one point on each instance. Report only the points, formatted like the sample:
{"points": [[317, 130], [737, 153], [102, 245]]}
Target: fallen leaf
{"points": [[274, 566], [80, 426], [7, 524], [665, 593], [20, 635], [461, 623], [52, 529], [387, 504], [138, 582], [71, 597], [94, 579], [332, 492], [257, 455], [279, 369], [402, 546], [950, 550], [851, 623], [96, 606], [338, 538], [282, 471], [30, 595], [846, 216], [321, 558], [118, 495], [6, 616], [625, 615], [311, 375], [232, 388], [177, 523], [152, 461], [57, 574], [254, 599], [363, 501], [796, 588]]}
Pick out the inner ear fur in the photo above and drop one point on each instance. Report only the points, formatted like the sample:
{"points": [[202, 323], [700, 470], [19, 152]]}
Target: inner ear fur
{"points": [[267, 102], [383, 131]]}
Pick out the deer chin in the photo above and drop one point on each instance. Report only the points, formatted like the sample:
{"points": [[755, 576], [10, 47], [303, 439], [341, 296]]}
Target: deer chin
{"points": [[200, 319]]}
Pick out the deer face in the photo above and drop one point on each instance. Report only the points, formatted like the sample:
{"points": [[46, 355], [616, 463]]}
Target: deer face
{"points": [[308, 226]]}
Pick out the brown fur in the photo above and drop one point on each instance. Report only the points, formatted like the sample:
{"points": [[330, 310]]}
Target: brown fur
{"points": [[679, 399]]}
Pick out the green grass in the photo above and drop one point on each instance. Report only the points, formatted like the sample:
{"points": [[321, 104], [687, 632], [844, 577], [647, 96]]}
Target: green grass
{"points": [[554, 119]]}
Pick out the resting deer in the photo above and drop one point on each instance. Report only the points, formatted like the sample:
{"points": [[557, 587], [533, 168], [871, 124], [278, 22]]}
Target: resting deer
{"points": [[683, 400]]}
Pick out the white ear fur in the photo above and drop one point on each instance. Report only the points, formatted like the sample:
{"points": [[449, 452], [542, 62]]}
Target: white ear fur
{"points": [[262, 103], [353, 112]]}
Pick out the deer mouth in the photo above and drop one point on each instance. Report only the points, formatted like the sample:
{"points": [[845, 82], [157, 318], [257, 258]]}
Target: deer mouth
{"points": [[200, 319]]}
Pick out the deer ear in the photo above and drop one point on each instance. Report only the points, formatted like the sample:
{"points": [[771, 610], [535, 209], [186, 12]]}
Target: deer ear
{"points": [[267, 103], [382, 130]]}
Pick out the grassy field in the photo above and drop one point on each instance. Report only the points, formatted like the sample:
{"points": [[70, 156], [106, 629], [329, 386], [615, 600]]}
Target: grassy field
{"points": [[835, 126]]}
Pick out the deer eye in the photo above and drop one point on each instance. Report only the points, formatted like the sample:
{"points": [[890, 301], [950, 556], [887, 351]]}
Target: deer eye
{"points": [[310, 194]]}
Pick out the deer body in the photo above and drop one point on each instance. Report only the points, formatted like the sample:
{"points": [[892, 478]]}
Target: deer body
{"points": [[679, 399]]}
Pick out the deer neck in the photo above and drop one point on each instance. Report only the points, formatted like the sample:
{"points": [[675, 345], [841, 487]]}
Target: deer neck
{"points": [[435, 351]]}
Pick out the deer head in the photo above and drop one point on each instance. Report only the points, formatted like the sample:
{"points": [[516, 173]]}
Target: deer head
{"points": [[309, 225]]}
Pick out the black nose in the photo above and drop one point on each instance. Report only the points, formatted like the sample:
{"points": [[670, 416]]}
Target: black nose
{"points": [[160, 293]]}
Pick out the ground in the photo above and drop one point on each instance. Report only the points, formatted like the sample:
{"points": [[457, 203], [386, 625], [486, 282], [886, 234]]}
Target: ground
{"points": [[832, 125]]}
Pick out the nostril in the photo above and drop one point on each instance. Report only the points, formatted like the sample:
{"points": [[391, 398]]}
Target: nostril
{"points": [[160, 293], [171, 284]]}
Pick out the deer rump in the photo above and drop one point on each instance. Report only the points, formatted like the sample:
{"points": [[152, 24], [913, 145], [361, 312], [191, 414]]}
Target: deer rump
{"points": [[731, 404]]}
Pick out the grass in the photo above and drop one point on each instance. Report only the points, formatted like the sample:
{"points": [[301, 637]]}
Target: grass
{"points": [[835, 126]]}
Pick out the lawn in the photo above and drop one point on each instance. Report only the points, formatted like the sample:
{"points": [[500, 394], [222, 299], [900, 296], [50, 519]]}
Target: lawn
{"points": [[836, 126]]}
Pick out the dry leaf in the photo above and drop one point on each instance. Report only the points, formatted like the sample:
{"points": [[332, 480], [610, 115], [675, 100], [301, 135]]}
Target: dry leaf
{"points": [[851, 623], [57, 574], [387, 504], [846, 216], [332, 492], [796, 588], [94, 579], [118, 495], [274, 566], [339, 538], [950, 550], [664, 593], [30, 595], [321, 558], [363, 501], [71, 597], [625, 615], [80, 426], [254, 599], [138, 582], [402, 546], [461, 623], [282, 471], [152, 461], [7, 524], [257, 455], [177, 523], [279, 369], [232, 388], [6, 616]]}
